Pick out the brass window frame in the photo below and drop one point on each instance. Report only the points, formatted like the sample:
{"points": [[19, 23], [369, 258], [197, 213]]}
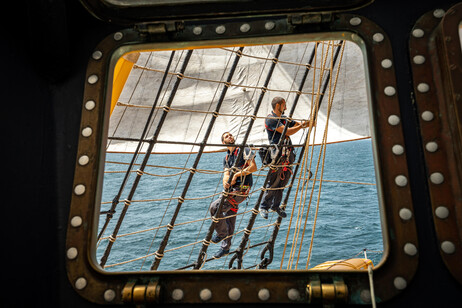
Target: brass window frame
{"points": [[437, 89], [400, 259]]}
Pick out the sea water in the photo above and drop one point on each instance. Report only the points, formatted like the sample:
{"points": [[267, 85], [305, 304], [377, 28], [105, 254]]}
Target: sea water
{"points": [[346, 210]]}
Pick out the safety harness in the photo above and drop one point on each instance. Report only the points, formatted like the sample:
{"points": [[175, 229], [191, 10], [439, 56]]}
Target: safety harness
{"points": [[284, 159], [243, 189]]}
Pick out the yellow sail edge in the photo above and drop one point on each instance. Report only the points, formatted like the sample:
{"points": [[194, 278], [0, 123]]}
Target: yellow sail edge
{"points": [[121, 72]]}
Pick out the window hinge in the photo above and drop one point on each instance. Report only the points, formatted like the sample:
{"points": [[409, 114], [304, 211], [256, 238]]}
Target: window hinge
{"points": [[334, 292], [159, 28], [139, 293], [312, 18]]}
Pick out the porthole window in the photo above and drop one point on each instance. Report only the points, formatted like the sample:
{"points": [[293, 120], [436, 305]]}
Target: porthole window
{"points": [[183, 124]]}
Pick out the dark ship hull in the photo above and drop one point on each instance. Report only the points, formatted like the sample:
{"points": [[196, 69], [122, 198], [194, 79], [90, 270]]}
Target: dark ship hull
{"points": [[45, 55]]}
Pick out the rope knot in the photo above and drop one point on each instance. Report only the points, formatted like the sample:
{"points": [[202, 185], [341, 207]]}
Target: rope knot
{"points": [[205, 242]]}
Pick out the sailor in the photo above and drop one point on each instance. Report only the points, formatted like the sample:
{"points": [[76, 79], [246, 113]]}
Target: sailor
{"points": [[238, 190], [280, 174]]}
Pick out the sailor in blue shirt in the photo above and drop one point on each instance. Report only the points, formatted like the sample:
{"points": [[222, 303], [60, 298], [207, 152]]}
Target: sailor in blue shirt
{"points": [[279, 176], [238, 190]]}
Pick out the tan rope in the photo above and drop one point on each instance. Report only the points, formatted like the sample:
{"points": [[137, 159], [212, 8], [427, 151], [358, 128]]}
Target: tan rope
{"points": [[303, 198], [331, 99], [209, 112]]}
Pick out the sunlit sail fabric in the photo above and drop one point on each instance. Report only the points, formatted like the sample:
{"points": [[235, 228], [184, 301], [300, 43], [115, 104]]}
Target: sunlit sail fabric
{"points": [[203, 80]]}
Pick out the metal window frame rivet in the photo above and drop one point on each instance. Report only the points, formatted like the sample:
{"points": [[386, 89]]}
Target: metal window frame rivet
{"points": [[205, 294], [442, 212], [76, 221], [118, 36], [355, 21], [393, 120], [397, 149], [92, 79], [177, 294], [418, 33], [448, 247], [378, 37], [97, 55], [72, 253], [400, 283], [244, 28], [264, 294], [427, 116], [365, 296], [80, 283], [197, 30], [234, 294], [401, 180], [437, 178], [220, 29], [423, 87], [90, 105], [431, 146], [84, 160], [79, 189], [87, 131], [386, 63], [270, 25], [418, 59], [410, 249], [293, 294], [438, 13], [109, 295], [405, 214], [389, 91]]}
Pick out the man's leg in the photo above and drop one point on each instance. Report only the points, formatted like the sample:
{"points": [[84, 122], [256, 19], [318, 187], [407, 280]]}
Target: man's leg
{"points": [[269, 193], [228, 223], [230, 220], [220, 227], [283, 181]]}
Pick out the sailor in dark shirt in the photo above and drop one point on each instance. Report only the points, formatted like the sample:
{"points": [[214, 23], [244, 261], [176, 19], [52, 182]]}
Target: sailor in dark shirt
{"points": [[279, 177], [238, 190]]}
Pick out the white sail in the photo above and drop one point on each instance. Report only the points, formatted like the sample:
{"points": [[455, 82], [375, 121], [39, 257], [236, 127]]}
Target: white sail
{"points": [[198, 94]]}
